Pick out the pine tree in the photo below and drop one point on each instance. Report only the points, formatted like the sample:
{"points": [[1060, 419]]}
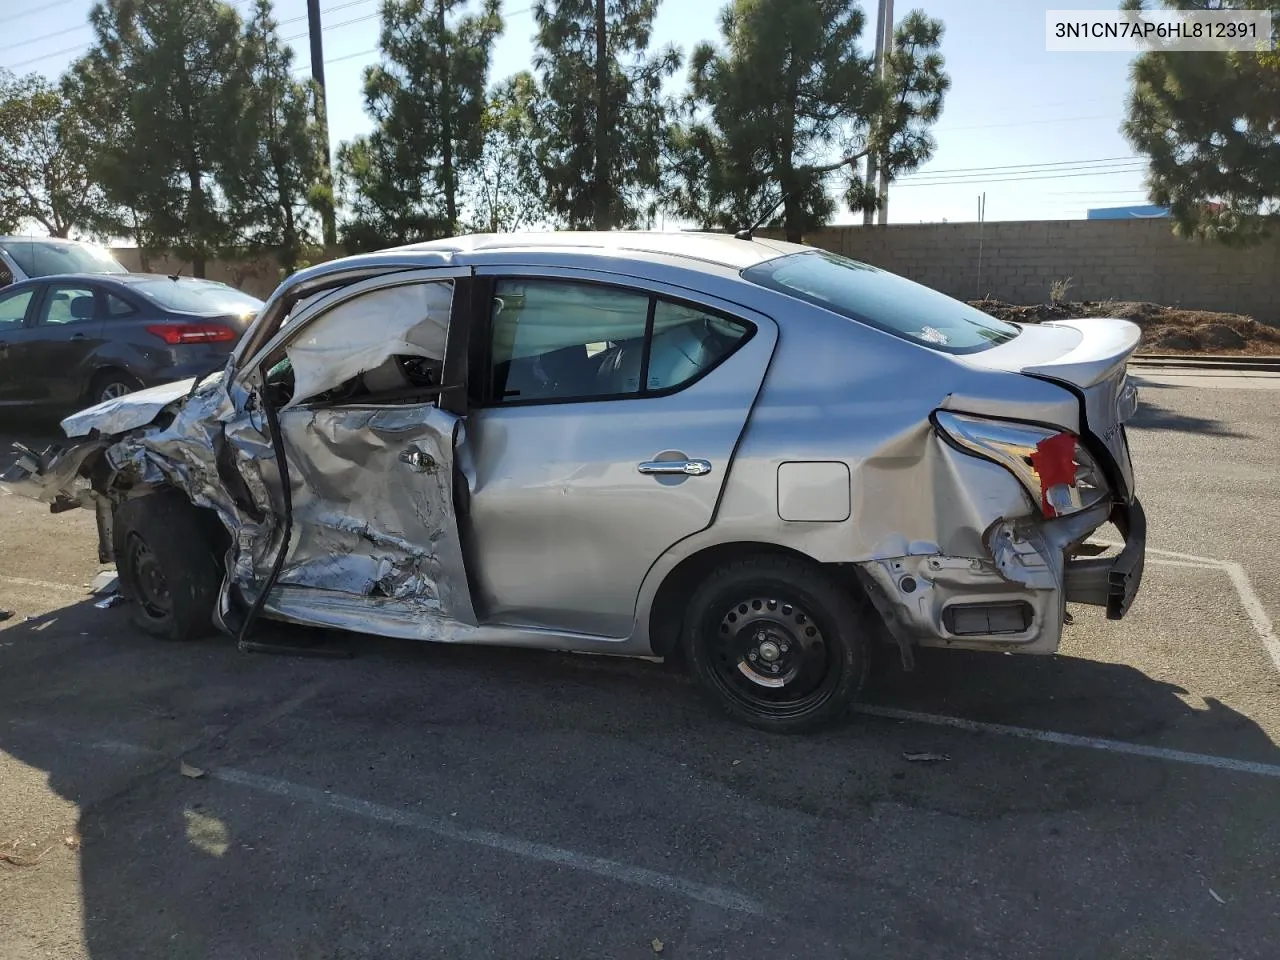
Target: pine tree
{"points": [[600, 114], [160, 90], [428, 101], [1209, 124], [277, 193], [780, 114]]}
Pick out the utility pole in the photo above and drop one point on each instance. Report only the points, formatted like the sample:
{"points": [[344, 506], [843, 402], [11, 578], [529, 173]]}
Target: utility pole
{"points": [[886, 48], [329, 227], [868, 215]]}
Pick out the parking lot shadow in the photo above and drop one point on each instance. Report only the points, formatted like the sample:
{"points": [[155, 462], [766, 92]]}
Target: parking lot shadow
{"points": [[1152, 416], [576, 751]]}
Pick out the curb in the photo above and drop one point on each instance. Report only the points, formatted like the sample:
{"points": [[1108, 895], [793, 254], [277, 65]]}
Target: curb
{"points": [[1200, 362]]}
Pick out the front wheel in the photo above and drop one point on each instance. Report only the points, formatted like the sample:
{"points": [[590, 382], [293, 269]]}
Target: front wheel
{"points": [[779, 643], [168, 565]]}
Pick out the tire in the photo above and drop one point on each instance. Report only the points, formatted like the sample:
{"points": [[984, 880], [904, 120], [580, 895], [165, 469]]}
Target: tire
{"points": [[110, 384], [168, 564], [778, 643]]}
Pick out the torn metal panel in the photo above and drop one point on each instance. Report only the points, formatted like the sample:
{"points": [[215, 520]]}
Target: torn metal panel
{"points": [[1024, 561], [129, 412], [363, 333], [373, 516]]}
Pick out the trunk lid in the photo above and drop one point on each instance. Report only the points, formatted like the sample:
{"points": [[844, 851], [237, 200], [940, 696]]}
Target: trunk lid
{"points": [[1088, 356]]}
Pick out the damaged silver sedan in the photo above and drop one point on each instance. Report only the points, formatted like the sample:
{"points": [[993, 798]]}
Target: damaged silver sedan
{"points": [[768, 457]]}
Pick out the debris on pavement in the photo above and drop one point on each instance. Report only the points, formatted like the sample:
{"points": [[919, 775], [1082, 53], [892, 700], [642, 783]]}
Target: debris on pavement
{"points": [[925, 757], [1215, 896], [658, 945], [18, 860], [5, 615], [107, 602], [187, 770]]}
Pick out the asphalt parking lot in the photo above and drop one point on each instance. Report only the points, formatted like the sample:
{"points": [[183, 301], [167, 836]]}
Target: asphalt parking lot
{"points": [[1117, 801]]}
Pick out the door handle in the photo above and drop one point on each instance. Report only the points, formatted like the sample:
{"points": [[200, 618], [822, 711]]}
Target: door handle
{"points": [[76, 336], [687, 468]]}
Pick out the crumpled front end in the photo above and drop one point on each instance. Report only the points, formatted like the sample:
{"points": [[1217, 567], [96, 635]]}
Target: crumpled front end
{"points": [[195, 442]]}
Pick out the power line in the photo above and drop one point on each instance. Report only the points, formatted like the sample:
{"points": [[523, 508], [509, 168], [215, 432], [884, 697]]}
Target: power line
{"points": [[1028, 123], [372, 50], [39, 9], [982, 174], [1050, 164], [980, 181], [47, 36]]}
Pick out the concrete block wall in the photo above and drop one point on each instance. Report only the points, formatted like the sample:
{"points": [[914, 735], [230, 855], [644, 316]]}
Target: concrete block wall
{"points": [[1106, 259]]}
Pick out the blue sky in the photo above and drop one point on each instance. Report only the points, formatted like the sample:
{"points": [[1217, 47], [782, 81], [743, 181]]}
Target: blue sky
{"points": [[1012, 105]]}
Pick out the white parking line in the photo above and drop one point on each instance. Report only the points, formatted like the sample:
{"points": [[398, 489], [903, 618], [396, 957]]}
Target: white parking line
{"points": [[609, 869], [1253, 607], [1072, 740]]}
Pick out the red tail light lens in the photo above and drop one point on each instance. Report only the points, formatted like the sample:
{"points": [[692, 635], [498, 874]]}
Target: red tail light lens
{"points": [[1054, 461], [175, 333]]}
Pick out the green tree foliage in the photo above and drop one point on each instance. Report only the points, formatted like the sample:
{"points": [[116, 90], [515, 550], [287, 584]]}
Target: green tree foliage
{"points": [[43, 177], [1209, 124], [601, 115], [277, 190], [428, 101], [164, 87], [781, 113], [504, 190]]}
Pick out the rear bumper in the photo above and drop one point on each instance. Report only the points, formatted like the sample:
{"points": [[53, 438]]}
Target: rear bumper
{"points": [[1112, 582]]}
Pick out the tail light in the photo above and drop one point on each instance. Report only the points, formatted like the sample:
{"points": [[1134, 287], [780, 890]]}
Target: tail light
{"points": [[175, 333], [1055, 468]]}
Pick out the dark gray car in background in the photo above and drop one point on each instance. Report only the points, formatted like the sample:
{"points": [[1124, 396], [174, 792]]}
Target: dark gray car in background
{"points": [[82, 338]]}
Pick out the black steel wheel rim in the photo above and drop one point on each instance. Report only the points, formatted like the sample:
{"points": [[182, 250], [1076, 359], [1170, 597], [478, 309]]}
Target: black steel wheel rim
{"points": [[150, 581], [771, 655]]}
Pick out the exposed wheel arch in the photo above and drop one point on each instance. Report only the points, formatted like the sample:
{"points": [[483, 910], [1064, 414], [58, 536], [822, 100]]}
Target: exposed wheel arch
{"points": [[106, 375], [666, 613]]}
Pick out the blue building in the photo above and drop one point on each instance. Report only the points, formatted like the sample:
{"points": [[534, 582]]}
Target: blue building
{"points": [[1140, 211]]}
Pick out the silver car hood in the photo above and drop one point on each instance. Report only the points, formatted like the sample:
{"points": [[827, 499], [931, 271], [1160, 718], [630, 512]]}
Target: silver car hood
{"points": [[129, 412]]}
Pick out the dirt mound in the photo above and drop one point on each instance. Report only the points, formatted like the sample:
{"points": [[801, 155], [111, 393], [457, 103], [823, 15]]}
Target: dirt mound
{"points": [[1164, 329]]}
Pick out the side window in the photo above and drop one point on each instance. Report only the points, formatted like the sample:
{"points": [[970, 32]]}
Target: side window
{"points": [[558, 340], [687, 342], [13, 308], [6, 275], [117, 307], [386, 345], [67, 304]]}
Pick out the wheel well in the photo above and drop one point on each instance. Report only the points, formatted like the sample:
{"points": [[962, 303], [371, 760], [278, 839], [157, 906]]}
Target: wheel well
{"points": [[666, 614], [102, 373]]}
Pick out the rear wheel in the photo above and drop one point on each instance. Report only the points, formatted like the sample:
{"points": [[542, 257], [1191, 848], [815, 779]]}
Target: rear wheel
{"points": [[110, 385], [168, 565], [779, 643]]}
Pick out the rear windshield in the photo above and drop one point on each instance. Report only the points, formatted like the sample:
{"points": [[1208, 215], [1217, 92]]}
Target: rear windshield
{"points": [[883, 300], [44, 258], [197, 296]]}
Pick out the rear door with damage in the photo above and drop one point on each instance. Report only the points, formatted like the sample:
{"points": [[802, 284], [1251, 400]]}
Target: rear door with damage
{"points": [[354, 392]]}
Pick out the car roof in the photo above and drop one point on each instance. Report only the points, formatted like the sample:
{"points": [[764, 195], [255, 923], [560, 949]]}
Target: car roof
{"points": [[20, 239], [125, 278], [721, 249]]}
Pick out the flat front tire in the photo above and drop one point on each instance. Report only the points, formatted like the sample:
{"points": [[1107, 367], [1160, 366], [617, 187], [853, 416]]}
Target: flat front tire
{"points": [[168, 565], [779, 643]]}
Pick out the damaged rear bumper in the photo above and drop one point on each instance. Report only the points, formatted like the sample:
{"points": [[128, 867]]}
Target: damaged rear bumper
{"points": [[1112, 582], [1015, 598]]}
